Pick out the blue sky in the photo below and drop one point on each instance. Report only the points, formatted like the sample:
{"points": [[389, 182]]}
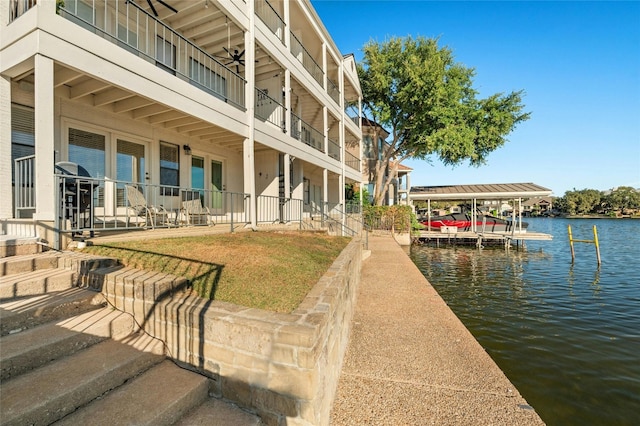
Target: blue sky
{"points": [[578, 63]]}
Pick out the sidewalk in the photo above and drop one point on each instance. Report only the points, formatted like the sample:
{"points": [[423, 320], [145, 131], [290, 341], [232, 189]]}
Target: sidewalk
{"points": [[410, 361]]}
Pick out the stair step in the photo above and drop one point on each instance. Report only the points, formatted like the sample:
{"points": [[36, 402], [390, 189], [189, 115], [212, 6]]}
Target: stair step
{"points": [[160, 396], [30, 349], [28, 262], [36, 282], [27, 312], [49, 393], [214, 411]]}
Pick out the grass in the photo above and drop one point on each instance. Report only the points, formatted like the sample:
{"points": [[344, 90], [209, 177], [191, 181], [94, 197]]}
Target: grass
{"points": [[266, 270]]}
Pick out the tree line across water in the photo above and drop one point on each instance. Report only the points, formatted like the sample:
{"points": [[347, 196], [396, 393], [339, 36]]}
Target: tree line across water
{"points": [[621, 201]]}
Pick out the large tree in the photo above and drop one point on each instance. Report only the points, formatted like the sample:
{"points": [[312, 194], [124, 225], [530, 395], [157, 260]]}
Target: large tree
{"points": [[415, 90]]}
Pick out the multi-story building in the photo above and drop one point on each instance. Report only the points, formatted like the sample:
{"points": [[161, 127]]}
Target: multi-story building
{"points": [[238, 103]]}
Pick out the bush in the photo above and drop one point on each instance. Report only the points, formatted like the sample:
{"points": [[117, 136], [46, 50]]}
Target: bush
{"points": [[388, 218]]}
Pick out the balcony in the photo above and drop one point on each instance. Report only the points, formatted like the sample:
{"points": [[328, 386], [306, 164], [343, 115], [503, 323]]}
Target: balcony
{"points": [[334, 149], [19, 7], [269, 110], [306, 134], [271, 18], [352, 161], [333, 91], [300, 52], [127, 25]]}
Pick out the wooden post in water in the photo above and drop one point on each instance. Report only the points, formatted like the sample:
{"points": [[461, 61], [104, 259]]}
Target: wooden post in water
{"points": [[595, 241], [573, 252]]}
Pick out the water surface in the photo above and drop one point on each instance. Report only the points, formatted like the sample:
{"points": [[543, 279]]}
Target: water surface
{"points": [[566, 335]]}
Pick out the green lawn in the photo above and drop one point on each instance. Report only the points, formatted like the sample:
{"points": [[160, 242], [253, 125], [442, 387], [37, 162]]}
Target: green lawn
{"points": [[265, 270]]}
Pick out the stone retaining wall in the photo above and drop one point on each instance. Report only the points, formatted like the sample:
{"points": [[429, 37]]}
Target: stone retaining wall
{"points": [[284, 367]]}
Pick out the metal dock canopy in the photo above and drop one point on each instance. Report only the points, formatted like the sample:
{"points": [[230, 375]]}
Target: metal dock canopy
{"points": [[475, 193], [496, 191]]}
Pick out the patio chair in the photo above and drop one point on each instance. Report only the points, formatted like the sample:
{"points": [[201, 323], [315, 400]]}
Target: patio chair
{"points": [[152, 214], [194, 212]]}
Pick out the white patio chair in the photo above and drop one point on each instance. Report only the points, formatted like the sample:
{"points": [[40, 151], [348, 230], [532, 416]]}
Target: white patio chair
{"points": [[152, 214], [195, 212]]}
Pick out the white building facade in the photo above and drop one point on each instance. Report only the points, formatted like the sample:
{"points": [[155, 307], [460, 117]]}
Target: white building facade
{"points": [[241, 104]]}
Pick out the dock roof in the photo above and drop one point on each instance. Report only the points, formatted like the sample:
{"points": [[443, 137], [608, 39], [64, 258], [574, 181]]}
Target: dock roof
{"points": [[495, 191]]}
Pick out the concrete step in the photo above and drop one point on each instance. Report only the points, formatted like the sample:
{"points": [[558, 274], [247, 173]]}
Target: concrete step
{"points": [[36, 282], [28, 263], [48, 394], [27, 312], [214, 411], [31, 349], [160, 396]]}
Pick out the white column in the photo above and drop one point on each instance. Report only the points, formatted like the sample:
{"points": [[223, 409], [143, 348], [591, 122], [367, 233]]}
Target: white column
{"points": [[287, 175], [6, 208], [325, 190], [287, 101], [248, 147], [44, 139]]}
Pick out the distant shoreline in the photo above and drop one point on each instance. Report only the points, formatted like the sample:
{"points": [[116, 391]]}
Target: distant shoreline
{"points": [[593, 216]]}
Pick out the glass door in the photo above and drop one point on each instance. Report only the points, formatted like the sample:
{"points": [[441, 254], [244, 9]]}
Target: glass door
{"points": [[131, 167], [217, 186]]}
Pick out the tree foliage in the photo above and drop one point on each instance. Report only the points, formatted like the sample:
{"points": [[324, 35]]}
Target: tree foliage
{"points": [[415, 89], [621, 200]]}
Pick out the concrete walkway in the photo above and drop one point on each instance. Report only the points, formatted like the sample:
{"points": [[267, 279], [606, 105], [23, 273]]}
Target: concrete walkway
{"points": [[410, 361]]}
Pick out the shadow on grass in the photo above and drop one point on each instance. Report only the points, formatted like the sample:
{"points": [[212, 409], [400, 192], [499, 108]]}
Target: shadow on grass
{"points": [[203, 277]]}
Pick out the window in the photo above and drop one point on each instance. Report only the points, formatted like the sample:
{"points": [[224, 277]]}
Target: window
{"points": [[166, 55], [207, 79], [367, 148], [88, 150], [169, 168]]}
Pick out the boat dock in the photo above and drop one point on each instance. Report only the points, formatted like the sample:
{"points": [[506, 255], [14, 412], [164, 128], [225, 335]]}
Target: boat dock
{"points": [[480, 239]]}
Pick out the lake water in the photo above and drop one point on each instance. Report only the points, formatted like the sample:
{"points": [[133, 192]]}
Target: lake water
{"points": [[566, 335]]}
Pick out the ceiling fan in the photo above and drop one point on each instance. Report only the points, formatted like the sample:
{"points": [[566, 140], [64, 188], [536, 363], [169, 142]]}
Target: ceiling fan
{"points": [[236, 58], [155, 12]]}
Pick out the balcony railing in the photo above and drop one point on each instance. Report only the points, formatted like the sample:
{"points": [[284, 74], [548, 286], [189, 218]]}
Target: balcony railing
{"points": [[87, 204], [270, 110], [334, 149], [271, 18], [352, 161], [333, 91], [124, 23], [298, 50], [305, 133], [19, 7]]}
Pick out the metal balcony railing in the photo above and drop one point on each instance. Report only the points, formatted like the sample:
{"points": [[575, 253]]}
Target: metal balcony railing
{"points": [[305, 133], [334, 149], [270, 110], [352, 161], [334, 91], [298, 50], [19, 7], [124, 23], [271, 18]]}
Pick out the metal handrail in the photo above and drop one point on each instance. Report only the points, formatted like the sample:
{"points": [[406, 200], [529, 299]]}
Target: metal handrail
{"points": [[306, 133], [299, 51], [269, 109], [24, 184], [333, 90], [334, 149], [271, 18], [352, 161]]}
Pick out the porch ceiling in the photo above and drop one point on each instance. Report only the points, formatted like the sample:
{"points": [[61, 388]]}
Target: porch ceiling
{"points": [[74, 85]]}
